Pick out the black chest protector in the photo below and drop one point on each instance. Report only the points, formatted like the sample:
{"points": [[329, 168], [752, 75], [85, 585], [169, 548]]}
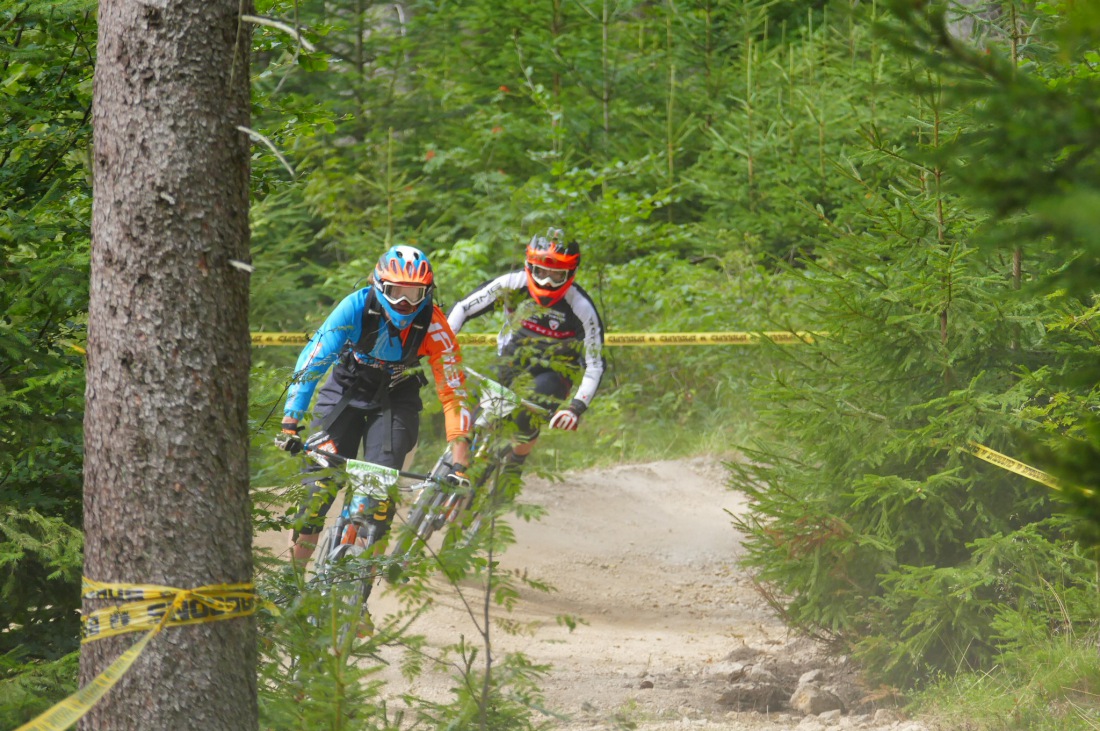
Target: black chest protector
{"points": [[372, 380], [373, 317]]}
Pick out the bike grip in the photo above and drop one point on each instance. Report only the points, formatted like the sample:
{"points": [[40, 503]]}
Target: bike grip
{"points": [[323, 453]]}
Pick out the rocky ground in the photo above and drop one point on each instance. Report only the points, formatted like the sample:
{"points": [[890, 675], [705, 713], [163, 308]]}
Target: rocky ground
{"points": [[672, 633]]}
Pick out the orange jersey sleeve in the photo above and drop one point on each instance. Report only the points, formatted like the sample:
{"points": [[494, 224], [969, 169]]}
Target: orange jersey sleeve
{"points": [[441, 348]]}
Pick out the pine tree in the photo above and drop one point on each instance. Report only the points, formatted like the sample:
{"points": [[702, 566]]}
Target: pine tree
{"points": [[166, 498]]}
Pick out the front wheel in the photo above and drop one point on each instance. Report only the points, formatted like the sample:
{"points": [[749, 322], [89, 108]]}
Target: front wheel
{"points": [[481, 503], [322, 557], [350, 591], [419, 526], [344, 575], [494, 485]]}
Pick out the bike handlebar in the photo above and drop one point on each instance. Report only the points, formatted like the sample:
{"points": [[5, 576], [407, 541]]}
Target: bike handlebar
{"points": [[530, 405], [341, 458]]}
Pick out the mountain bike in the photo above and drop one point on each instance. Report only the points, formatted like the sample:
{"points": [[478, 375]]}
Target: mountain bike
{"points": [[463, 511], [349, 555]]}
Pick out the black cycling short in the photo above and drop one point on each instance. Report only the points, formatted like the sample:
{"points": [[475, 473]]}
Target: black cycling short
{"points": [[352, 428], [548, 389]]}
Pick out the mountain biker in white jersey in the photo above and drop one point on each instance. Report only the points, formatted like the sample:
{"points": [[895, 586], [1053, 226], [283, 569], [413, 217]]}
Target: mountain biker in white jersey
{"points": [[552, 330]]}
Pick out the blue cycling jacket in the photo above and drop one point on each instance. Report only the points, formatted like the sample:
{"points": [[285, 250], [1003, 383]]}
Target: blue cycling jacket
{"points": [[344, 328]]}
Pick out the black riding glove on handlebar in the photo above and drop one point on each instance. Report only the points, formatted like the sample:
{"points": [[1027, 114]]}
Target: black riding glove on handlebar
{"points": [[320, 442], [453, 473], [288, 439]]}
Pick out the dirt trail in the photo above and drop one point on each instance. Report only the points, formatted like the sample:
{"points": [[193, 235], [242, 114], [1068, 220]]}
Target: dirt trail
{"points": [[646, 557]]}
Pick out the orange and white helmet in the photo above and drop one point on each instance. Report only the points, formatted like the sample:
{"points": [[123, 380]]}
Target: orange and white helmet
{"points": [[551, 266]]}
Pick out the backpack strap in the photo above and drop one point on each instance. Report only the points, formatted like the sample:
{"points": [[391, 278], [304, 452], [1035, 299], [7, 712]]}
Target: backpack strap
{"points": [[372, 314], [417, 331]]}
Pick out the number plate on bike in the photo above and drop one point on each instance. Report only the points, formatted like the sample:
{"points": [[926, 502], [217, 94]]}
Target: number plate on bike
{"points": [[372, 479], [497, 400]]}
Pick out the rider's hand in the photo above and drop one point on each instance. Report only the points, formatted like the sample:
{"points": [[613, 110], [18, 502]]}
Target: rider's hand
{"points": [[288, 439], [569, 417], [320, 442], [456, 475]]}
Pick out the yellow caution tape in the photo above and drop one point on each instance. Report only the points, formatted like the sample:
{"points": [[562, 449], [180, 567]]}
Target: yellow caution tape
{"points": [[720, 338], [474, 339], [716, 338], [146, 607], [70, 710], [280, 338], [1014, 465]]}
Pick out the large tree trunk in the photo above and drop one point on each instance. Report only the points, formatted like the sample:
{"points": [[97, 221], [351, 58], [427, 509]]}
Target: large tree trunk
{"points": [[166, 429]]}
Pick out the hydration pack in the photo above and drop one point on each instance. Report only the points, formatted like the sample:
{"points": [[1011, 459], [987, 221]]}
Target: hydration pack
{"points": [[373, 318]]}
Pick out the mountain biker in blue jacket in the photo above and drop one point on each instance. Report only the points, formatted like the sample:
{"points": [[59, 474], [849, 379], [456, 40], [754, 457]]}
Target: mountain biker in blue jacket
{"points": [[373, 340], [553, 330]]}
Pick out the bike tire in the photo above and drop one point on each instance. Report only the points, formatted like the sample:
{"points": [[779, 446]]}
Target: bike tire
{"points": [[322, 558], [319, 581], [338, 576], [474, 514], [352, 594]]}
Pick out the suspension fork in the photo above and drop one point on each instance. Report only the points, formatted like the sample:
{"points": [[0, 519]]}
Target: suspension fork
{"points": [[373, 527]]}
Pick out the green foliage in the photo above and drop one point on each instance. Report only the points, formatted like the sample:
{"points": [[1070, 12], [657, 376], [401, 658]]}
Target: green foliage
{"points": [[39, 557], [1016, 593], [1030, 159], [46, 58], [310, 677], [871, 522], [30, 688], [1054, 689]]}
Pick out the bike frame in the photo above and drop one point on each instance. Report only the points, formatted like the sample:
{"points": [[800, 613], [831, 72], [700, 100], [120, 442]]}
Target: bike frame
{"points": [[367, 493], [436, 509]]}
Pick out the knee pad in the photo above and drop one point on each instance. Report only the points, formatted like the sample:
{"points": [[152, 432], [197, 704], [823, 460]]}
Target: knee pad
{"points": [[526, 428], [310, 518]]}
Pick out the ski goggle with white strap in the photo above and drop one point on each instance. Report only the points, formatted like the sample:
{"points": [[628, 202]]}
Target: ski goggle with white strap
{"points": [[547, 277], [395, 293]]}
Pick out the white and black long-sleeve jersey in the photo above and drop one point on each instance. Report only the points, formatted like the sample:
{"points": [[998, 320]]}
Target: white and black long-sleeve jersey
{"points": [[572, 320]]}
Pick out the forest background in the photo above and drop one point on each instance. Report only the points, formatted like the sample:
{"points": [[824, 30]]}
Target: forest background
{"points": [[921, 187]]}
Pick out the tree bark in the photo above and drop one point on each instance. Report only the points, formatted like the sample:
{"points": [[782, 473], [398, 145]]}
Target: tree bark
{"points": [[166, 422]]}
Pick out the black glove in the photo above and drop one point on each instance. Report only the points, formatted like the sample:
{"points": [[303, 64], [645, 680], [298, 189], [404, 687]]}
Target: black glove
{"points": [[288, 439], [320, 442], [454, 474]]}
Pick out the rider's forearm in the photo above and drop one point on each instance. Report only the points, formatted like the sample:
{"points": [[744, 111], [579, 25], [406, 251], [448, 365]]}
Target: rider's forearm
{"points": [[589, 383], [481, 299], [460, 451], [456, 318]]}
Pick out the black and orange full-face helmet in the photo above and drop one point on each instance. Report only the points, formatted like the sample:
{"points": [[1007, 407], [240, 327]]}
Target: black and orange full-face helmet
{"points": [[551, 266]]}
